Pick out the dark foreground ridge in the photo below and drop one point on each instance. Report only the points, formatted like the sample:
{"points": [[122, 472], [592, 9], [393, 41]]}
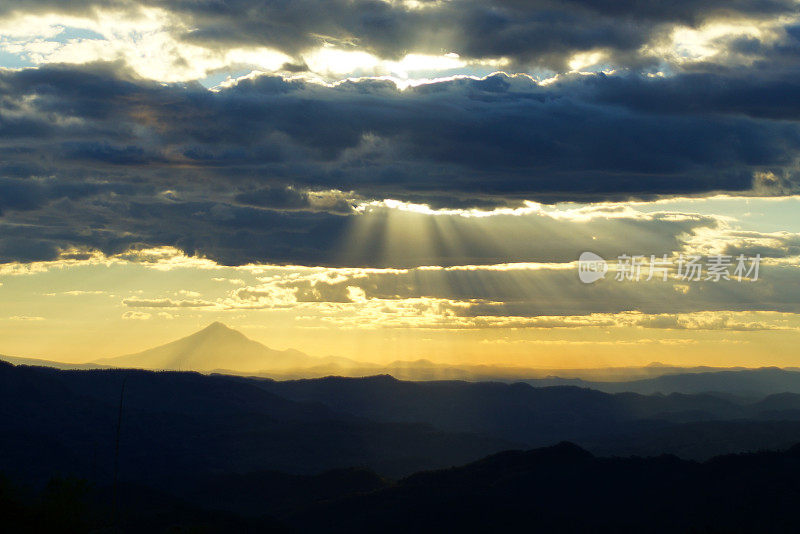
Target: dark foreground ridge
{"points": [[231, 454], [562, 488], [566, 489]]}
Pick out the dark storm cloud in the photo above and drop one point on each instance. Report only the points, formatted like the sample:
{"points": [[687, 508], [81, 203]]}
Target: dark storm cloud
{"points": [[267, 170], [759, 95], [584, 137], [534, 32]]}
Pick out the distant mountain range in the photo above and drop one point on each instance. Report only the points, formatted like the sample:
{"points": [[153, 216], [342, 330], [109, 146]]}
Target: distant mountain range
{"points": [[747, 383], [219, 349], [541, 415], [37, 362]]}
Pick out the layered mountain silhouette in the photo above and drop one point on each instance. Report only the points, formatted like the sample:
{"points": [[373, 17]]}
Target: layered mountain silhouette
{"points": [[176, 422], [542, 415], [232, 453]]}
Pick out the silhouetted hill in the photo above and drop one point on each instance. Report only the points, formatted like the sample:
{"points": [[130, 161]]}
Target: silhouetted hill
{"points": [[273, 492], [566, 489], [562, 488]]}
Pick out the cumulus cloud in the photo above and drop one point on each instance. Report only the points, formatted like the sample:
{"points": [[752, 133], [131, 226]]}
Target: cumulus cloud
{"points": [[196, 37], [779, 245]]}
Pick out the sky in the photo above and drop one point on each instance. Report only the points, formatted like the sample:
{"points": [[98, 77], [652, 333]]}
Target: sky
{"points": [[404, 179]]}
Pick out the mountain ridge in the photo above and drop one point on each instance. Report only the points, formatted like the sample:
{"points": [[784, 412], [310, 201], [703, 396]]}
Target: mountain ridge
{"points": [[219, 349]]}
